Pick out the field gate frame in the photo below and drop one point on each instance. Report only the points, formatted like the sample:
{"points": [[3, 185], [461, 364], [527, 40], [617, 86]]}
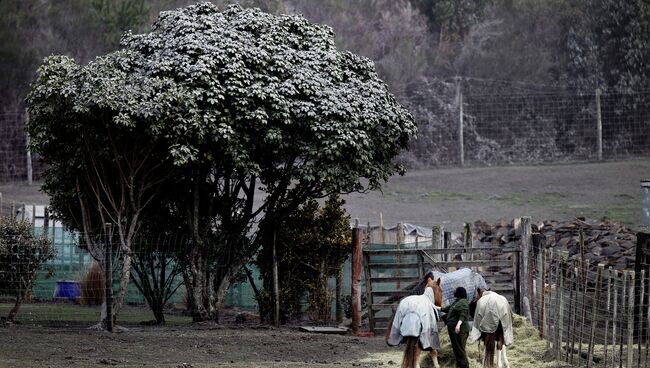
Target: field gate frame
{"points": [[489, 261]]}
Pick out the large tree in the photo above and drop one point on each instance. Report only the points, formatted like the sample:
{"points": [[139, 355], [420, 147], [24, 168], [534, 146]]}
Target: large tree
{"points": [[238, 101]]}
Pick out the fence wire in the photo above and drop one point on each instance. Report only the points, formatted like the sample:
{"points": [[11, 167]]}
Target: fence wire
{"points": [[590, 315]]}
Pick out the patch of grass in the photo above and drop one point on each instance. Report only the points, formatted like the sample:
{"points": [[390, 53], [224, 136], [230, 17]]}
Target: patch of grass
{"points": [[528, 350], [552, 199], [432, 196], [57, 314]]}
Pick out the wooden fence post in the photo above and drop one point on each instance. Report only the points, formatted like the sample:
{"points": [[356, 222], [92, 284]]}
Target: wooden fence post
{"points": [[599, 127], [584, 284], [436, 241], [467, 240], [461, 143], [108, 272], [640, 308], [445, 244], [594, 320], [356, 278], [526, 292], [607, 315], [276, 287], [614, 315], [339, 287], [623, 314], [560, 288], [28, 151], [574, 312], [540, 288], [630, 321]]}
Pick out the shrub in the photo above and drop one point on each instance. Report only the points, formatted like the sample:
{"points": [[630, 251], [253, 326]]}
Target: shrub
{"points": [[92, 285], [312, 243], [21, 256]]}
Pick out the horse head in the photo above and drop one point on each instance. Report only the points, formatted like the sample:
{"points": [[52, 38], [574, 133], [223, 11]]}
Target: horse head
{"points": [[472, 304], [429, 280]]}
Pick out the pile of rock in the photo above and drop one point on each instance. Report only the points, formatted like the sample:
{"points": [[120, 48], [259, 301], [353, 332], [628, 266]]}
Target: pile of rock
{"points": [[605, 241]]}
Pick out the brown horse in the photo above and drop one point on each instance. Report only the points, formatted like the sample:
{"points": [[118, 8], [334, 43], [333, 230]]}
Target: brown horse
{"points": [[417, 306], [492, 314]]}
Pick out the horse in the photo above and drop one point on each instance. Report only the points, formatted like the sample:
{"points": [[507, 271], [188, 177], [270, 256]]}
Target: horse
{"points": [[465, 277], [492, 324], [415, 322]]}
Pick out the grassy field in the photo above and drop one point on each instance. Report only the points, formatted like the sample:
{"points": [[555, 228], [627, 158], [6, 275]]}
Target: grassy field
{"points": [[453, 196], [62, 314]]}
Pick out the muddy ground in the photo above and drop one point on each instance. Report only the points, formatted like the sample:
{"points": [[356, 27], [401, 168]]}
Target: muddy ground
{"points": [[448, 197], [231, 345]]}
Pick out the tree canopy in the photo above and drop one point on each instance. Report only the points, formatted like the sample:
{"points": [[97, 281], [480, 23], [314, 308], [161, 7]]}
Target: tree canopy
{"points": [[197, 114]]}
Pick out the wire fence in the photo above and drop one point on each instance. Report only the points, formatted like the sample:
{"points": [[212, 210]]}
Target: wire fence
{"points": [[475, 127], [590, 315], [69, 288]]}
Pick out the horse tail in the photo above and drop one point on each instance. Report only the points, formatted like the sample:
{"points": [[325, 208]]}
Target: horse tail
{"points": [[390, 326], [410, 352], [489, 340]]}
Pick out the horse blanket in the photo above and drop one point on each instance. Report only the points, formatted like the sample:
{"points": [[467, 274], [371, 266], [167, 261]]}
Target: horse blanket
{"points": [[416, 317], [464, 277], [491, 309]]}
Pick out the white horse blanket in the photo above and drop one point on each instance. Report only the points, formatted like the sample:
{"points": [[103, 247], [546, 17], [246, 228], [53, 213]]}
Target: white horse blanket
{"points": [[416, 317], [491, 309], [464, 277]]}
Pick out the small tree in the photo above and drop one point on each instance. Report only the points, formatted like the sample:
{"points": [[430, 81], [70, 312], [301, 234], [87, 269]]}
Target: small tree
{"points": [[312, 244], [21, 256]]}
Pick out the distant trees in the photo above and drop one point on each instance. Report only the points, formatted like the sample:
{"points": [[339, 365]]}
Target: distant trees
{"points": [[609, 45]]}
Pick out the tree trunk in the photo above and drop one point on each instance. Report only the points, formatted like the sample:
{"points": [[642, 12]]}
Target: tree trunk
{"points": [[197, 287], [12, 313], [222, 288], [124, 284]]}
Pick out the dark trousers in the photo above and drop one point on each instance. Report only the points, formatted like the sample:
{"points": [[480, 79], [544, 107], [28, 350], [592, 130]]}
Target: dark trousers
{"points": [[458, 342]]}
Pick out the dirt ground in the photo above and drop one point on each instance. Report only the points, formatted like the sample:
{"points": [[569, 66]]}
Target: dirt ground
{"points": [[231, 345], [448, 197]]}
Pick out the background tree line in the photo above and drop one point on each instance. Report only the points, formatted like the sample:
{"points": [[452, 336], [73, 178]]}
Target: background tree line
{"points": [[418, 46]]}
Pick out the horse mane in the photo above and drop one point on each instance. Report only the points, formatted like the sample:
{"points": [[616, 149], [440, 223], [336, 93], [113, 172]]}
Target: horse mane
{"points": [[422, 285]]}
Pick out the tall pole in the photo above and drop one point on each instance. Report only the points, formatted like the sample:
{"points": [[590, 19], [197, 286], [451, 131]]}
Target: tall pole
{"points": [[461, 145], [108, 264], [599, 126], [29, 153], [276, 288], [356, 278]]}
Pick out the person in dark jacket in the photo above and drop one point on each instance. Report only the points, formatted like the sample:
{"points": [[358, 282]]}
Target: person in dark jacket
{"points": [[458, 326]]}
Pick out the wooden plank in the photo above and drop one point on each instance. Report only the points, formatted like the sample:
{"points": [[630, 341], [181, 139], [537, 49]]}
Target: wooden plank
{"points": [[478, 263], [392, 265], [456, 250], [391, 293], [369, 280], [324, 330], [394, 279]]}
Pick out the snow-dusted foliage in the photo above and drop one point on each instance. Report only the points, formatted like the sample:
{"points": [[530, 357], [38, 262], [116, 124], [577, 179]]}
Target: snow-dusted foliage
{"points": [[183, 124], [249, 85]]}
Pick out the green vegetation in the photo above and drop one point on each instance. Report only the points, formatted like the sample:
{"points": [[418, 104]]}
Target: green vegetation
{"points": [[58, 314]]}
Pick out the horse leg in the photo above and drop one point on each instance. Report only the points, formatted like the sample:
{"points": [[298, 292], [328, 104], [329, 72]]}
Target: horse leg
{"points": [[505, 358], [501, 355], [434, 358]]}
